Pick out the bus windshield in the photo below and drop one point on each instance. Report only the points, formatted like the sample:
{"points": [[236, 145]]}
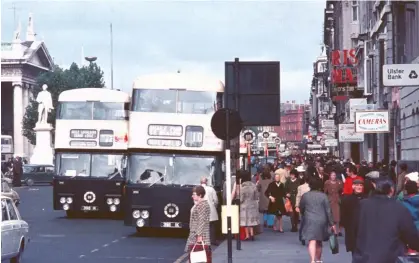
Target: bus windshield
{"points": [[168, 169], [92, 110], [106, 166], [174, 101]]}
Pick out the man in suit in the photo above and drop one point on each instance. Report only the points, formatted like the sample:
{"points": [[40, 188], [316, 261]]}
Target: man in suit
{"points": [[17, 171]]}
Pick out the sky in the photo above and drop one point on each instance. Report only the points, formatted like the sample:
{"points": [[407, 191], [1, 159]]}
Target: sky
{"points": [[166, 36]]}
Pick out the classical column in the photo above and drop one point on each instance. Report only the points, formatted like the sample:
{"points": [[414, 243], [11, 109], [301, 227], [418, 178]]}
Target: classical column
{"points": [[25, 91], [17, 118]]}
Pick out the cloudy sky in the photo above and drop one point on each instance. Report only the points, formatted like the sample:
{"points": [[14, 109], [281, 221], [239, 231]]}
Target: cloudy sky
{"points": [[198, 36]]}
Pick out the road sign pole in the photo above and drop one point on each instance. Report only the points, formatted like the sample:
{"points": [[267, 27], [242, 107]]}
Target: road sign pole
{"points": [[228, 189], [236, 98]]}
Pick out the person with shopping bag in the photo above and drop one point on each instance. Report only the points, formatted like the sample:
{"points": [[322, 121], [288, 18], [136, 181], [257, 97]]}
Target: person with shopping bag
{"points": [[198, 244]]}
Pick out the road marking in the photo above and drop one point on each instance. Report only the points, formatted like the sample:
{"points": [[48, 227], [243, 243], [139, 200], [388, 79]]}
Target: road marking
{"points": [[50, 235], [105, 245], [82, 256], [94, 250], [181, 258], [123, 237], [116, 240], [33, 189]]}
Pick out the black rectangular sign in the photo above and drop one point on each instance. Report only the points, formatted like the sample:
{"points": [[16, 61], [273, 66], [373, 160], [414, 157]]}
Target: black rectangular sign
{"points": [[257, 91], [83, 134]]}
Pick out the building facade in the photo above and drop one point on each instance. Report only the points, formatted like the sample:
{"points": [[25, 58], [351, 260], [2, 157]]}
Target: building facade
{"points": [[375, 33], [21, 62], [293, 122]]}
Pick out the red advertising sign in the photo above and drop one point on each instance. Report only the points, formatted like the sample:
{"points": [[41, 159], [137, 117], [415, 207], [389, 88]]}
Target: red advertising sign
{"points": [[344, 74]]}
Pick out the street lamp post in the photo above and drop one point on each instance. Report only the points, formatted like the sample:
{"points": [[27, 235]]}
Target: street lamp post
{"points": [[90, 59]]}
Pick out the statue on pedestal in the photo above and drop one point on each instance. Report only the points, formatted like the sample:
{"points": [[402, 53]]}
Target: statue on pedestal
{"points": [[45, 104]]}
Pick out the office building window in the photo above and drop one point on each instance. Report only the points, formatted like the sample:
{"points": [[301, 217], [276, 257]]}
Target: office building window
{"points": [[355, 10]]}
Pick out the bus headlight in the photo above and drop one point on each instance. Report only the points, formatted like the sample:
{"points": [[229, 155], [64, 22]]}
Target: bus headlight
{"points": [[69, 200], [113, 208], [116, 201], [140, 222], [109, 201], [62, 200], [145, 214], [66, 207], [136, 214]]}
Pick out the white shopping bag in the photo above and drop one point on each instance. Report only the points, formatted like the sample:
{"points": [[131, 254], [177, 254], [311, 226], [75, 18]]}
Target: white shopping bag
{"points": [[198, 256]]}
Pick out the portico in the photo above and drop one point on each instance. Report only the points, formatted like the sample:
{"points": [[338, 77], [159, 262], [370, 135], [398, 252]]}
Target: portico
{"points": [[21, 62]]}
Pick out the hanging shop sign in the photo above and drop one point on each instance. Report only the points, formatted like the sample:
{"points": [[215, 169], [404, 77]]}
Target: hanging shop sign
{"points": [[372, 121], [347, 133], [344, 75]]}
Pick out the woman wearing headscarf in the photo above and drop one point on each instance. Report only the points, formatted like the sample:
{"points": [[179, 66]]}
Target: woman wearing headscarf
{"points": [[333, 189], [262, 185]]}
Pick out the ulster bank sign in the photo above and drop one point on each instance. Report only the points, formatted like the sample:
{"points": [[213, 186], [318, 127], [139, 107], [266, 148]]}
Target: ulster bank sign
{"points": [[401, 75]]}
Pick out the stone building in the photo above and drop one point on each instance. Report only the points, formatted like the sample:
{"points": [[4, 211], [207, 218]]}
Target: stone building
{"points": [[21, 62], [380, 32]]}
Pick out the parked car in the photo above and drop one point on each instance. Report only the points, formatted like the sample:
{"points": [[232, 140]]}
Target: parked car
{"points": [[14, 232], [37, 174], [7, 190]]}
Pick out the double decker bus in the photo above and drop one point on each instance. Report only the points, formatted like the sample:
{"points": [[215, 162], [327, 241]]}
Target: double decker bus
{"points": [[91, 140], [171, 147]]}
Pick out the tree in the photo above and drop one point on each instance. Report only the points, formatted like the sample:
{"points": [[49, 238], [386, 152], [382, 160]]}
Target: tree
{"points": [[59, 80]]}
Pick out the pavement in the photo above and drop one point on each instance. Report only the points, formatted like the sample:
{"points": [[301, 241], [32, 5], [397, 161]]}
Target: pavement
{"points": [[56, 239], [284, 247]]}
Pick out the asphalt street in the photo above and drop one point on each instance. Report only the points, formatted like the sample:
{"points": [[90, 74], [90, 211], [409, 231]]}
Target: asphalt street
{"points": [[56, 239]]}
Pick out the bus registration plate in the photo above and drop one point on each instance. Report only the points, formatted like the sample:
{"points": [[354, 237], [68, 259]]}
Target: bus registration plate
{"points": [[171, 224], [89, 208]]}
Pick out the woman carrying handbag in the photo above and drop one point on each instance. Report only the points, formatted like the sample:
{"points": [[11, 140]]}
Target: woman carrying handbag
{"points": [[198, 243]]}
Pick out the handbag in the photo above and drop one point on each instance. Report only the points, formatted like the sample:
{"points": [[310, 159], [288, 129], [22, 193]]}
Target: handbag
{"points": [[334, 243], [288, 206], [199, 254]]}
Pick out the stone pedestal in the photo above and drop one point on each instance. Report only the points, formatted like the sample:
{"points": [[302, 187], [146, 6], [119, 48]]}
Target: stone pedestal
{"points": [[43, 153]]}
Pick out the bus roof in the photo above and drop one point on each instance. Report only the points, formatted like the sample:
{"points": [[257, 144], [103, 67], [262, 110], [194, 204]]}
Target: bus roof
{"points": [[94, 94], [178, 81]]}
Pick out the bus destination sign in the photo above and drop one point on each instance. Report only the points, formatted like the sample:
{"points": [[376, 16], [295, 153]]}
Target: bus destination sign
{"points": [[79, 143], [165, 130], [164, 142], [83, 134]]}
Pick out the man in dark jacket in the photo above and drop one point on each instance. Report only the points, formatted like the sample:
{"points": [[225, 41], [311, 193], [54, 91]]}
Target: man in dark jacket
{"points": [[349, 213], [385, 227]]}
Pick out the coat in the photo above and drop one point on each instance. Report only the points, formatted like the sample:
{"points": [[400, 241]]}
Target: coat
{"points": [[400, 182], [385, 228], [262, 186], [199, 224], [278, 192], [412, 204], [212, 198], [317, 216], [302, 189], [349, 218], [291, 189], [333, 192], [249, 208]]}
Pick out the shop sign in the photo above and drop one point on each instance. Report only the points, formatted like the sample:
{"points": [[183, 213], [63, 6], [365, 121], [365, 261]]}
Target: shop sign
{"points": [[347, 133], [372, 121]]}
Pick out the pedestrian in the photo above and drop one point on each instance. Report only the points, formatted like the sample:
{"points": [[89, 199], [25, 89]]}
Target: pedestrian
{"points": [[17, 171], [199, 223], [411, 202], [276, 195], [400, 178], [302, 189], [249, 209], [333, 189], [291, 189], [262, 186], [351, 171], [350, 212], [318, 219], [385, 227], [212, 198]]}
